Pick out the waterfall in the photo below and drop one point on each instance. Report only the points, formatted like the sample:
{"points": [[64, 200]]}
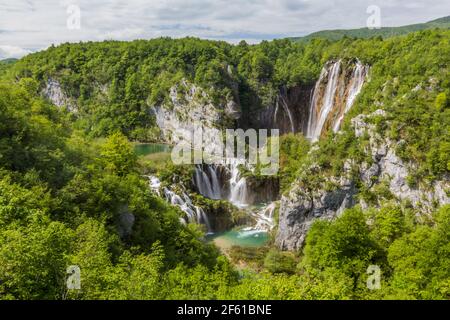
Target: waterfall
{"points": [[208, 185], [319, 114], [194, 214], [238, 186], [329, 105], [286, 108], [357, 81], [264, 218], [216, 190]]}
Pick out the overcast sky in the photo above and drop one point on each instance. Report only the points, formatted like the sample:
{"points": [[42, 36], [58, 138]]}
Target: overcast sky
{"points": [[31, 25]]}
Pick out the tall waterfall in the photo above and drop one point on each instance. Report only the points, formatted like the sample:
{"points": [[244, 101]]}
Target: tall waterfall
{"points": [[319, 112], [194, 214], [334, 94], [208, 182], [356, 83]]}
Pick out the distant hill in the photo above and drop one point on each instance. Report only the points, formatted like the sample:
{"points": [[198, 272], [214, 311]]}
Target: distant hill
{"points": [[386, 32], [8, 60]]}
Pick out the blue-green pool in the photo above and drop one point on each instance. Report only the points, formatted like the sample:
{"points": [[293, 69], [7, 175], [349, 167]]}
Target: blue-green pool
{"points": [[144, 149], [241, 238]]}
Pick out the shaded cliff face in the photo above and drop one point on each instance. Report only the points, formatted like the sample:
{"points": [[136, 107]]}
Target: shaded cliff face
{"points": [[334, 94], [288, 112]]}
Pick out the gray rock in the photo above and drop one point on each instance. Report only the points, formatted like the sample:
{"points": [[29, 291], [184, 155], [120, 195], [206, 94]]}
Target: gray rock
{"points": [[55, 94]]}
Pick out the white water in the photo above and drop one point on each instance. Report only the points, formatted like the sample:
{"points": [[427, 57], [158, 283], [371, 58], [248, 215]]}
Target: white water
{"points": [[318, 114], [357, 81], [215, 183], [316, 122], [238, 186], [286, 108], [193, 213], [208, 185], [264, 218]]}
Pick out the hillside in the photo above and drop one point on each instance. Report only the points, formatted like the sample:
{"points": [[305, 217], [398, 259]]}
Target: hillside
{"points": [[384, 32]]}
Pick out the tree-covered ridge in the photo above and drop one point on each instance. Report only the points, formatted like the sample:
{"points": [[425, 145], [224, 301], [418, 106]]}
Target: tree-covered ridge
{"points": [[385, 32]]}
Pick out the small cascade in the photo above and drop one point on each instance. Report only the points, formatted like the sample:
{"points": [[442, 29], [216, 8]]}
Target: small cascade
{"points": [[194, 214], [334, 94], [207, 183], [286, 108], [238, 186], [264, 218], [281, 99]]}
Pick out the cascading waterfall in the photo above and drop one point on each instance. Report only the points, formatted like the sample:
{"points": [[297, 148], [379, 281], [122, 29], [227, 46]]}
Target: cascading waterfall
{"points": [[208, 184], [215, 183], [357, 81], [194, 214], [238, 186], [318, 115], [286, 109], [264, 218], [329, 106]]}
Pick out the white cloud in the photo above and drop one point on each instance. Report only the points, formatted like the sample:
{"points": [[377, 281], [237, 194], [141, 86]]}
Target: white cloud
{"points": [[36, 24], [7, 51]]}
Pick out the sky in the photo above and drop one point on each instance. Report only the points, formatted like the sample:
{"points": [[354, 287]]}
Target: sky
{"points": [[32, 25]]}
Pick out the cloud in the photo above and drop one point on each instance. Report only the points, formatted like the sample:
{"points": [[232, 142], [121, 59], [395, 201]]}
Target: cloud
{"points": [[36, 24], [7, 51]]}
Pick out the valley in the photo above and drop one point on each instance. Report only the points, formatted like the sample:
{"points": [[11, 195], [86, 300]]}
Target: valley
{"points": [[87, 176]]}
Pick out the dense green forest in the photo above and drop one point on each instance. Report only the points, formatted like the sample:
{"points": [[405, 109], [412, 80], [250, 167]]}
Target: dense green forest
{"points": [[67, 180]]}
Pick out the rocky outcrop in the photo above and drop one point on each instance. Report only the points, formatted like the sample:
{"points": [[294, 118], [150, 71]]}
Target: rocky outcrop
{"points": [[299, 208], [387, 166], [56, 95], [190, 109]]}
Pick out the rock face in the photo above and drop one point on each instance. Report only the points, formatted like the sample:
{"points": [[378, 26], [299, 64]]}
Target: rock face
{"points": [[55, 94], [288, 112], [387, 166], [300, 208], [190, 109]]}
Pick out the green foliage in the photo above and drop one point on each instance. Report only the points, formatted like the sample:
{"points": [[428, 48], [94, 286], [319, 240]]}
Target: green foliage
{"points": [[118, 155], [278, 262]]}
